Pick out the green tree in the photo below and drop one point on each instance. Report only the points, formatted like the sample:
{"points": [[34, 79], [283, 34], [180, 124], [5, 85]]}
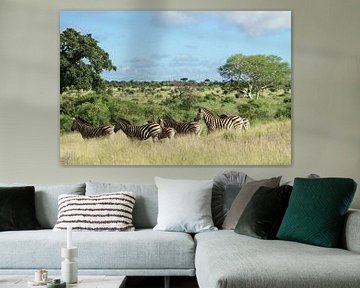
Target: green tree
{"points": [[252, 74], [81, 61]]}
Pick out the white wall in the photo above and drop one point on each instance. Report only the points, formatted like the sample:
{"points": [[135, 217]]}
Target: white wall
{"points": [[326, 94]]}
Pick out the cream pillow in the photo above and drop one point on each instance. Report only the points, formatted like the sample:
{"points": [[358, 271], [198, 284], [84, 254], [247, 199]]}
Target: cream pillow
{"points": [[105, 212], [184, 205]]}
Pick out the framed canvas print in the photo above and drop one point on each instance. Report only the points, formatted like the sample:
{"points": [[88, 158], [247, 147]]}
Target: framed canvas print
{"points": [[175, 87]]}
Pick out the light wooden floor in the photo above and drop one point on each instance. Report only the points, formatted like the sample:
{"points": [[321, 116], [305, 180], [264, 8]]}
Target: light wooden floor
{"points": [[158, 282]]}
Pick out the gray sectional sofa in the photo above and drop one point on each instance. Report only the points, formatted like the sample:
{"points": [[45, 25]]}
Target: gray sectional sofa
{"points": [[219, 259]]}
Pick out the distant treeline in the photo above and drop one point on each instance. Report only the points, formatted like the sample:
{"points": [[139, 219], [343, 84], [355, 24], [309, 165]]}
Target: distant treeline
{"points": [[140, 102]]}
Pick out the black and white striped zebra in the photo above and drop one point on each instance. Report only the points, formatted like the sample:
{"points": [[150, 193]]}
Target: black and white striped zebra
{"points": [[166, 132], [214, 122], [192, 127], [150, 130], [246, 122], [87, 131]]}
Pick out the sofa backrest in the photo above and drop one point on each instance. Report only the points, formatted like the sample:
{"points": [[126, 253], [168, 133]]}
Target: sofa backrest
{"points": [[146, 203]]}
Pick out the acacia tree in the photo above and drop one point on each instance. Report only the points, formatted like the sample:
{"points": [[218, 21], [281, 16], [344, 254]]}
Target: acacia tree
{"points": [[252, 74], [81, 61]]}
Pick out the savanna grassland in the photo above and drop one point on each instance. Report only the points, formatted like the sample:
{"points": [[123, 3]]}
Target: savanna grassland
{"points": [[267, 142], [263, 144]]}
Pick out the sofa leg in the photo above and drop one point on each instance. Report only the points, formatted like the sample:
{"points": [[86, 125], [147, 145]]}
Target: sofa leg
{"points": [[167, 282]]}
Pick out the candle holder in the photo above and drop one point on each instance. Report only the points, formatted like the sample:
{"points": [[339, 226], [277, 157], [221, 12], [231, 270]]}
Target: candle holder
{"points": [[69, 271]]}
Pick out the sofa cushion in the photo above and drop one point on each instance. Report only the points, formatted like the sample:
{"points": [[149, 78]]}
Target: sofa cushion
{"points": [[225, 259], [263, 215], [184, 205], [142, 249], [146, 205], [317, 209], [17, 208], [225, 189], [46, 200], [105, 212], [243, 198]]}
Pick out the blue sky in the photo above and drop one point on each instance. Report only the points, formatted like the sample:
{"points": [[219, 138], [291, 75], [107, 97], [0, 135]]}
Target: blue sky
{"points": [[169, 45]]}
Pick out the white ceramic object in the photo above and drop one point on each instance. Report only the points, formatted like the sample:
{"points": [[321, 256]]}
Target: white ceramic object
{"points": [[69, 270]]}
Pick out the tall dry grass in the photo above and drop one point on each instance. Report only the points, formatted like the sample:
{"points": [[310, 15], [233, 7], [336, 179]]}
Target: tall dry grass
{"points": [[262, 144]]}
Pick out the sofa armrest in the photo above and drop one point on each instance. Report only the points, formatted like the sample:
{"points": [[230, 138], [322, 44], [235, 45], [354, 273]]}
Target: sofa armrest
{"points": [[351, 234]]}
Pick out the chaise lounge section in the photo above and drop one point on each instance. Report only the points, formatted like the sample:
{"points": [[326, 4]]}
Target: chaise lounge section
{"points": [[225, 259]]}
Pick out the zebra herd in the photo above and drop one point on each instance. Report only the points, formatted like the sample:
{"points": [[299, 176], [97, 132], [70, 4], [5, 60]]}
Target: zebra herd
{"points": [[165, 128]]}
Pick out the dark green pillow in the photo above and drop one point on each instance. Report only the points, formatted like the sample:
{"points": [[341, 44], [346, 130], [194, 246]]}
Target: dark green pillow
{"points": [[17, 208], [264, 212], [316, 211]]}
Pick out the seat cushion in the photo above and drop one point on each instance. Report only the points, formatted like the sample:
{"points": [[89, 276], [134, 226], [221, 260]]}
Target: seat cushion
{"points": [[144, 249], [226, 259]]}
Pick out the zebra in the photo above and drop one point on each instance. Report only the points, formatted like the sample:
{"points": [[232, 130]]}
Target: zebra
{"points": [[193, 127], [246, 122], [214, 122], [144, 132], [87, 131], [166, 132]]}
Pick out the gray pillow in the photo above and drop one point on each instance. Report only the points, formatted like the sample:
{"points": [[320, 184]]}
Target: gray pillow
{"points": [[226, 187], [46, 200], [184, 205], [243, 198], [146, 206]]}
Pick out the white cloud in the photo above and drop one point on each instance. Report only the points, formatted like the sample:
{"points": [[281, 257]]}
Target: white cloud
{"points": [[126, 69], [259, 22]]}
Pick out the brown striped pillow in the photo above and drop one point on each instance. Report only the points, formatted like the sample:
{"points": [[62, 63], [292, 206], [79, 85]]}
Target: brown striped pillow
{"points": [[105, 212]]}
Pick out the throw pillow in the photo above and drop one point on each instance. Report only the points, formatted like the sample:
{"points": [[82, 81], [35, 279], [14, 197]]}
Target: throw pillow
{"points": [[146, 205], [184, 205], [106, 212], [243, 198], [225, 189], [263, 215], [317, 209], [17, 208]]}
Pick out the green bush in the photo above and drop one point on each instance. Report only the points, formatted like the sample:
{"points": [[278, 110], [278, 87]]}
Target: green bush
{"points": [[259, 109], [265, 109], [228, 99], [285, 110], [65, 123], [135, 106]]}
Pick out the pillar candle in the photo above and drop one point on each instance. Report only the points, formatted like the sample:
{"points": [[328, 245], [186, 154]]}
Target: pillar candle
{"points": [[69, 237]]}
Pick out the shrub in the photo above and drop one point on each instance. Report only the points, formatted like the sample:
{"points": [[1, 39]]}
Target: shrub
{"points": [[259, 109], [65, 123], [227, 99]]}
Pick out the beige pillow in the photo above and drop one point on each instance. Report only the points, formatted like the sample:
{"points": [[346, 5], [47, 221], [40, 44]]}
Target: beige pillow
{"points": [[243, 198]]}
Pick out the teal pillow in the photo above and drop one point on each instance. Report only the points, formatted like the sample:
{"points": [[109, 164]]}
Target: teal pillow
{"points": [[316, 211]]}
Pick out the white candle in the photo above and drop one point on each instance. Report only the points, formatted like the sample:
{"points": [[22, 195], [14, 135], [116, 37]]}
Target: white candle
{"points": [[69, 237]]}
